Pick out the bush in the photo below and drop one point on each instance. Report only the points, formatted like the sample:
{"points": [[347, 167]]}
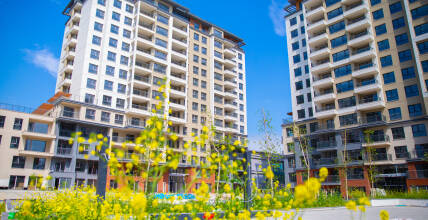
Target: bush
{"points": [[413, 194]]}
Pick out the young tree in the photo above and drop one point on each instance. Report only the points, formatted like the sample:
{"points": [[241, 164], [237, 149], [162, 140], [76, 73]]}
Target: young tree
{"points": [[303, 145], [370, 153], [270, 144], [345, 160]]}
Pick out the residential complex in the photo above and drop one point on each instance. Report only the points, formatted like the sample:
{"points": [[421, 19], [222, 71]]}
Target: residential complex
{"points": [[115, 56], [358, 75]]}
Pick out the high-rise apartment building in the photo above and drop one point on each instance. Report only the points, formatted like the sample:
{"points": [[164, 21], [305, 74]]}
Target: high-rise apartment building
{"points": [[358, 73], [115, 55]]}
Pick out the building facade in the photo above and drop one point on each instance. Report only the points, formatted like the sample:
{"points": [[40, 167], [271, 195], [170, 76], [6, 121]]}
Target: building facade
{"points": [[358, 80], [115, 56]]}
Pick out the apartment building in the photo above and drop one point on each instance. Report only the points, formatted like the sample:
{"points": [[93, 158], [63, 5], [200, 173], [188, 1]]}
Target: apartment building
{"points": [[358, 80], [115, 57]]}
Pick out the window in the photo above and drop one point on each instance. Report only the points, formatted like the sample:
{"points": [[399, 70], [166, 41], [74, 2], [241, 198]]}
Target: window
{"points": [[297, 72], [35, 145], [98, 27], [195, 70], [293, 21], [125, 46], [308, 83], [196, 58], [345, 86], [18, 162], [38, 127], [335, 13], [331, 2], [204, 50], [102, 2], [423, 47], [394, 113], [380, 29], [388, 78], [383, 45], [100, 13], [421, 29], [204, 62], [203, 84], [109, 70], [391, 95], [128, 21], [398, 133], [2, 120], [160, 42], [300, 99], [296, 58], [408, 73], [14, 142], [204, 40], [386, 61], [404, 56], [95, 54], [111, 56], [343, 71], [203, 96], [374, 2], [195, 47], [203, 72], [129, 8], [336, 27], [195, 94], [121, 88], [160, 55], [218, 44], [394, 8], [401, 39], [112, 42], [17, 124], [340, 55], [378, 14], [301, 113], [195, 106], [195, 36], [96, 40], [348, 119], [39, 163], [115, 16], [126, 33], [299, 85], [398, 23], [89, 98], [347, 102], [411, 90], [90, 84], [159, 68], [294, 33], [120, 103], [419, 130], [415, 110], [295, 45], [108, 85], [309, 97], [303, 42], [194, 119], [117, 4], [419, 12], [302, 30], [339, 41], [425, 65], [114, 29], [401, 152], [195, 82]]}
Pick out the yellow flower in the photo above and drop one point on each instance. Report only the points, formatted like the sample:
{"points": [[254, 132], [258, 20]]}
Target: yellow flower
{"points": [[269, 174], [323, 173], [227, 188], [362, 208], [351, 205], [384, 215], [174, 164]]}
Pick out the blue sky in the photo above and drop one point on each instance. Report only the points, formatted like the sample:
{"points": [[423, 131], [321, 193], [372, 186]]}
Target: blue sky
{"points": [[32, 37]]}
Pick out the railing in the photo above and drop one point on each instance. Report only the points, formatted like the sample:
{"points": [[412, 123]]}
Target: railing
{"points": [[325, 144], [361, 50], [142, 78], [381, 157], [136, 123], [316, 94], [147, 13], [324, 161], [184, 40], [325, 108], [141, 107], [234, 115], [360, 34], [402, 155], [364, 66], [418, 154], [417, 174], [313, 8], [140, 92], [70, 114], [317, 34], [231, 81], [179, 51], [355, 176], [332, 179], [314, 22], [16, 108], [176, 75], [321, 127], [376, 139], [147, 51], [147, 26], [354, 6], [367, 82], [183, 64], [63, 151], [231, 92], [231, 103], [369, 99], [372, 119], [145, 37], [319, 48], [181, 28], [143, 65], [355, 20]]}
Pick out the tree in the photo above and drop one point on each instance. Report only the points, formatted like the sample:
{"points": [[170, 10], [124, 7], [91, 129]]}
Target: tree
{"points": [[370, 153], [303, 146], [270, 144], [345, 160]]}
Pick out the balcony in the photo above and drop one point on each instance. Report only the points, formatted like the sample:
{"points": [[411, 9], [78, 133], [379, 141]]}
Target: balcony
{"points": [[324, 161], [361, 38], [228, 105], [140, 108], [179, 41], [377, 140], [370, 103], [358, 24], [179, 54], [367, 86], [378, 158], [228, 52], [146, 40], [182, 31], [38, 135], [231, 116], [366, 70], [230, 83], [362, 54], [136, 123], [70, 114], [356, 9], [64, 151], [143, 67], [417, 174], [230, 73], [230, 94], [146, 27], [178, 78], [418, 154], [321, 66], [142, 81], [229, 63], [316, 25], [142, 95], [318, 39], [144, 53], [324, 97], [323, 81], [373, 119], [326, 145], [178, 92], [325, 112], [320, 51], [180, 65], [147, 16], [177, 106], [315, 11]]}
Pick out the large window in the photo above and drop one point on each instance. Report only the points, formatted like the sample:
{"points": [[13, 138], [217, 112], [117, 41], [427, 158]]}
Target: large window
{"points": [[388, 78], [398, 133], [18, 162], [347, 102], [425, 65], [340, 55], [421, 29], [348, 119], [394, 113], [38, 127], [331, 2], [336, 12], [339, 41], [345, 86], [411, 90], [35, 145], [405, 55], [401, 39], [383, 45], [423, 47], [296, 58], [378, 14], [161, 31], [398, 23], [386, 61], [374, 2], [294, 33], [408, 73], [419, 130], [415, 110], [394, 8], [391, 95], [343, 71], [419, 12], [336, 27], [39, 163], [380, 29], [295, 45]]}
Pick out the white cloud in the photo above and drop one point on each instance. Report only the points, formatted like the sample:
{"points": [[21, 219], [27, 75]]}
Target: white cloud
{"points": [[276, 14], [44, 59]]}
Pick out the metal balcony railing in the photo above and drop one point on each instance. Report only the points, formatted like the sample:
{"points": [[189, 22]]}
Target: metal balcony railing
{"points": [[369, 99], [63, 151], [417, 174]]}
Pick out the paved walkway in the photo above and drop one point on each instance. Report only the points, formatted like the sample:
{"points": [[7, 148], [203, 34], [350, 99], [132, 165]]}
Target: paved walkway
{"points": [[395, 212]]}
